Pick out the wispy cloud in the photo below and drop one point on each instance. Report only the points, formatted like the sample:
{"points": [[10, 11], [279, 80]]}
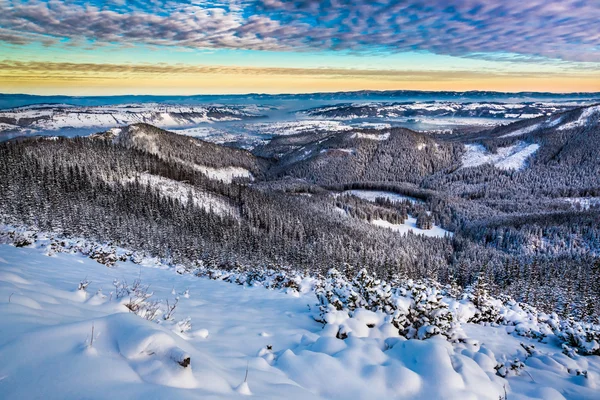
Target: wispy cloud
{"points": [[555, 29], [81, 71]]}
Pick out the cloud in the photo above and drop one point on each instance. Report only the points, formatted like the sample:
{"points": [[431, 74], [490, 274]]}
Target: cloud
{"points": [[33, 70], [551, 29]]}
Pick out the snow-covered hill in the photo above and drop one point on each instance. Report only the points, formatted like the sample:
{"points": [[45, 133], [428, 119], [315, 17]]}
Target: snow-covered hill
{"points": [[55, 117], [512, 157], [60, 340], [521, 110]]}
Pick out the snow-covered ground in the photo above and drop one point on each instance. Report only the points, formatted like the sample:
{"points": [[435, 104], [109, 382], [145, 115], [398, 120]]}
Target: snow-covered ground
{"points": [[548, 123], [410, 225], [439, 108], [225, 174], [586, 117], [584, 203], [181, 191], [284, 128], [372, 195], [45, 117], [521, 131], [60, 342], [370, 136], [506, 158]]}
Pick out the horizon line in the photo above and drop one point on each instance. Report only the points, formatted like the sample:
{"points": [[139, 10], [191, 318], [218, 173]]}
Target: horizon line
{"points": [[306, 93]]}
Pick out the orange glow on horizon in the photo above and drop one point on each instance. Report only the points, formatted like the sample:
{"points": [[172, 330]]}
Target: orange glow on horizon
{"points": [[108, 79]]}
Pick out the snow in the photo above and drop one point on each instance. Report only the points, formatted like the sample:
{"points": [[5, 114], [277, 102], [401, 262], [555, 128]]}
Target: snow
{"points": [[372, 195], [332, 150], [213, 134], [58, 117], [369, 136], [547, 373], [584, 118], [436, 109], [522, 131], [584, 203], [507, 158], [285, 128], [180, 191], [46, 347], [410, 225], [225, 174], [549, 123], [131, 357]]}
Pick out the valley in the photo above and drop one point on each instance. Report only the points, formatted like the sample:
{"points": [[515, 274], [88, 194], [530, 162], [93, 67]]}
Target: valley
{"points": [[386, 233]]}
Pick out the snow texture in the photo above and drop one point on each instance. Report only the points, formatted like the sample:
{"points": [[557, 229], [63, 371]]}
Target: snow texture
{"points": [[585, 118], [410, 225], [181, 191], [522, 131], [225, 174], [61, 342], [507, 158], [44, 117], [369, 136], [583, 203], [372, 195]]}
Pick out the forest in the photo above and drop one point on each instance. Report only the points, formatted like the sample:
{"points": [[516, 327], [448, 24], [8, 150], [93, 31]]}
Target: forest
{"points": [[146, 189]]}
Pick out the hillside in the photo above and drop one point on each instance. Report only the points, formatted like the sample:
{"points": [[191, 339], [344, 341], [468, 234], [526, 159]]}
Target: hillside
{"points": [[213, 160], [223, 340], [383, 155], [448, 207]]}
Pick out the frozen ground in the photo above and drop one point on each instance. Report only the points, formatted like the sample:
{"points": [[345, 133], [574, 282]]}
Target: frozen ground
{"points": [[46, 348]]}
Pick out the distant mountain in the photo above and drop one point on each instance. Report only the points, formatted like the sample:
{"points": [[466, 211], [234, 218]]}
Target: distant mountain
{"points": [[55, 117], [18, 100], [450, 109]]}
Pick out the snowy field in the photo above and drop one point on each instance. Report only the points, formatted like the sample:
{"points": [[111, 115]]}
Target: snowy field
{"points": [[410, 225], [372, 195], [59, 342]]}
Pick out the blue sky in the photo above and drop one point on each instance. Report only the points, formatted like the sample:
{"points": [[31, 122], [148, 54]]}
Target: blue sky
{"points": [[339, 44]]}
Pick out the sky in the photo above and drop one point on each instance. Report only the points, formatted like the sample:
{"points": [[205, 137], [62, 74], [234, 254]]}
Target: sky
{"points": [[297, 46]]}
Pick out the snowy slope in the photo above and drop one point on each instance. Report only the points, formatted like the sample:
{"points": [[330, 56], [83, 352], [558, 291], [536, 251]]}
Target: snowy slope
{"points": [[507, 158], [46, 350], [181, 191], [588, 115]]}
